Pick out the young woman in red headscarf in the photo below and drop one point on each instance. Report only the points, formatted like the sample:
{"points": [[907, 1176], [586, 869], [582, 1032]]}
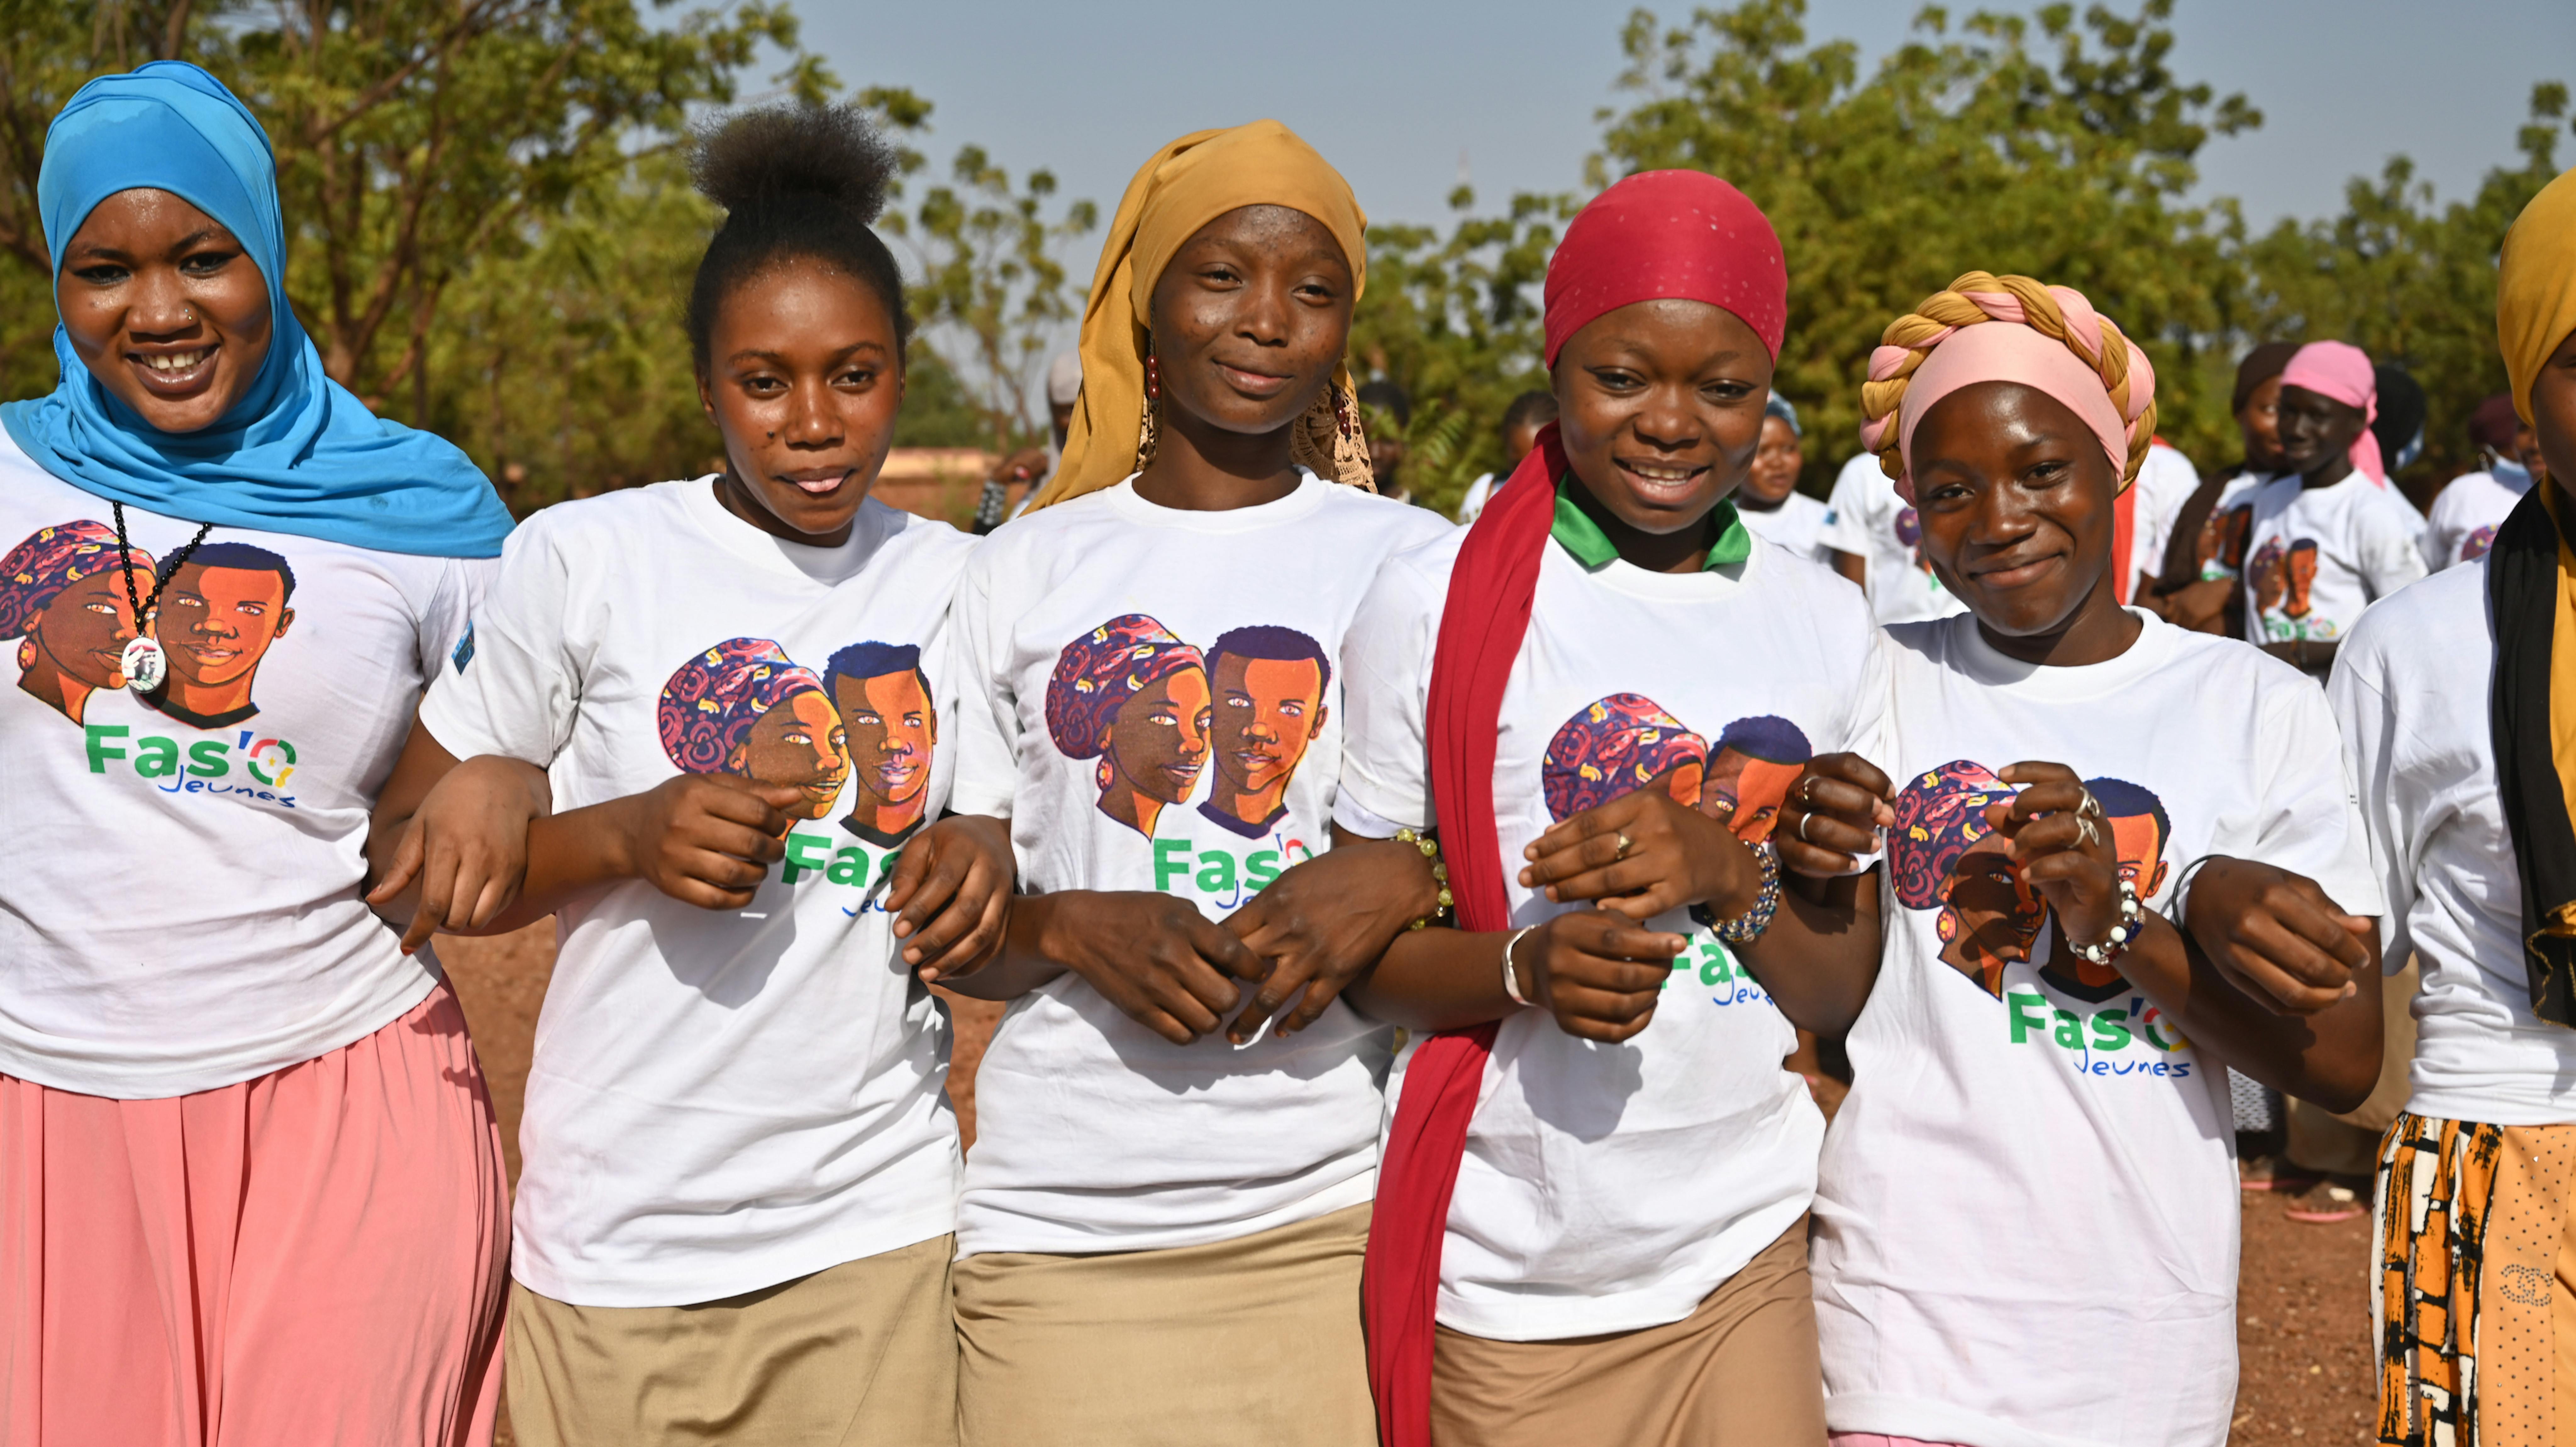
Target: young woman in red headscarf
{"points": [[1591, 1214]]}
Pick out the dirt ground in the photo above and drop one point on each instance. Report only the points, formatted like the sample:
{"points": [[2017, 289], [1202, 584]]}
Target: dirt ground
{"points": [[2304, 1316]]}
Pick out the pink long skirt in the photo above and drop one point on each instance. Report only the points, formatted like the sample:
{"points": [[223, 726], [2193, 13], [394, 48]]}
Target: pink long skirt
{"points": [[316, 1256]]}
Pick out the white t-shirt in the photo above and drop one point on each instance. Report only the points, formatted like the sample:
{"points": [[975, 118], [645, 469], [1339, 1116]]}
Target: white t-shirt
{"points": [[721, 1101], [1472, 505], [2467, 513], [1610, 1188], [2026, 1217], [1797, 524], [1154, 697], [181, 907], [1866, 519], [2166, 481], [2411, 687], [2315, 557], [2220, 550]]}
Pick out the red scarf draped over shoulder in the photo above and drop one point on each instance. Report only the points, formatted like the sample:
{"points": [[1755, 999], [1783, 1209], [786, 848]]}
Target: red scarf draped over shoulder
{"points": [[1655, 235]]}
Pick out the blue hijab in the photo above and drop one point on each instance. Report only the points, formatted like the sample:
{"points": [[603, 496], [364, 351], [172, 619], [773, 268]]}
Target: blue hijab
{"points": [[297, 454]]}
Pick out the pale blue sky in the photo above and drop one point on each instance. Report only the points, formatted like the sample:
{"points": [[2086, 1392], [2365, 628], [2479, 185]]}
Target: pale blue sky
{"points": [[1394, 91]]}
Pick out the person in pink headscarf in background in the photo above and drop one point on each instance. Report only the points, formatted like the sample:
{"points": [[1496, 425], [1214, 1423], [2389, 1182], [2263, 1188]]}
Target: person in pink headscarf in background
{"points": [[2333, 505]]}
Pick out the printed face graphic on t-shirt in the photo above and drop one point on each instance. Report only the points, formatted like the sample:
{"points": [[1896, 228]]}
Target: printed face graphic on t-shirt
{"points": [[2139, 829], [2271, 577], [2302, 567], [1133, 696], [219, 615], [1944, 854], [1756, 761], [62, 595], [1990, 915], [891, 726], [2219, 552], [1618, 744], [743, 707], [1268, 685]]}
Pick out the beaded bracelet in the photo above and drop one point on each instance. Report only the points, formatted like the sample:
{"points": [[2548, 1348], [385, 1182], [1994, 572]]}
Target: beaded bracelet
{"points": [[1439, 874], [2132, 920], [1747, 927]]}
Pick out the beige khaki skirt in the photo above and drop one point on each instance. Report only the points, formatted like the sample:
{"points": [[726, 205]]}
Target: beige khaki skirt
{"points": [[1255, 1340], [861, 1355], [1740, 1371]]}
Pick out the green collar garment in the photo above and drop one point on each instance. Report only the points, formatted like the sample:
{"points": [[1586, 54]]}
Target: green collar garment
{"points": [[1578, 534]]}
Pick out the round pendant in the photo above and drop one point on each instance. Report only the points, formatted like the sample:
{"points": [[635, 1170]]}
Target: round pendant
{"points": [[144, 666]]}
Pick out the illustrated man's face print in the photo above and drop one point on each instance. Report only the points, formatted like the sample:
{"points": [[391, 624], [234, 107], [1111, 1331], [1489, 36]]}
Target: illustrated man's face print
{"points": [[799, 742], [217, 623], [2269, 579], [2140, 846], [85, 629], [2302, 564], [1267, 711], [891, 729], [1159, 740], [1746, 793], [1991, 918]]}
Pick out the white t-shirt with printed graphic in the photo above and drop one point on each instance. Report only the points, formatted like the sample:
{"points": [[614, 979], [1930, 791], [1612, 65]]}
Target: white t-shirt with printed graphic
{"points": [[2467, 513], [2316, 557], [1154, 697], [724, 1100], [2026, 1217], [1610, 1188], [2412, 687], [2221, 546], [1797, 524], [1866, 519], [181, 908]]}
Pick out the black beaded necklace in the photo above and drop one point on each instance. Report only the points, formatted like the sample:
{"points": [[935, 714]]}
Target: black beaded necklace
{"points": [[144, 664]]}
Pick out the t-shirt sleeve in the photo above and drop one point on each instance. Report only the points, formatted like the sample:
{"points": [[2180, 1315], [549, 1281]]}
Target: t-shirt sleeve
{"points": [[2391, 547], [1386, 688], [442, 631], [987, 709], [2308, 818], [516, 689], [2356, 694], [1849, 522]]}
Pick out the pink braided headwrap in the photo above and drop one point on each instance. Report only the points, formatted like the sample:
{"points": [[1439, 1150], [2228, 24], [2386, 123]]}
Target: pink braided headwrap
{"points": [[2343, 372], [1960, 355]]}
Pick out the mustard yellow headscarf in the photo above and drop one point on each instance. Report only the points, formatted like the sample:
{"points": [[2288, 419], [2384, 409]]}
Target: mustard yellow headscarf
{"points": [[2531, 596], [2536, 285], [1188, 184]]}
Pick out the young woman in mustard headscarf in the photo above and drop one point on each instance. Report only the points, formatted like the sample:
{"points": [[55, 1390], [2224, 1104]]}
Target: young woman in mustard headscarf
{"points": [[2458, 704], [1161, 1232]]}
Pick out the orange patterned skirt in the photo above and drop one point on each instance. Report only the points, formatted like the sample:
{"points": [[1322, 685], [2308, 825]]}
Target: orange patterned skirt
{"points": [[2476, 1245]]}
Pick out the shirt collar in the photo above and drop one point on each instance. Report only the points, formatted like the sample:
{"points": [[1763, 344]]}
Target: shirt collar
{"points": [[1578, 534]]}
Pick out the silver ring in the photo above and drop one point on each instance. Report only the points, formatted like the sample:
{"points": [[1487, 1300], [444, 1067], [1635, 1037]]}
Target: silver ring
{"points": [[1806, 791], [2084, 831], [1804, 817], [2091, 806]]}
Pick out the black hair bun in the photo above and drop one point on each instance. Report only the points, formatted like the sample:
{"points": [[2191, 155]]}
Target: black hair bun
{"points": [[758, 158]]}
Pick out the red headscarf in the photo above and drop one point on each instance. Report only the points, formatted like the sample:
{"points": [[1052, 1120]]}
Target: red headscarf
{"points": [[1659, 234]]}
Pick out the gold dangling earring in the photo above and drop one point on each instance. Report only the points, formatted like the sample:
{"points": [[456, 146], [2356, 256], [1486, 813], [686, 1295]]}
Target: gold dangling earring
{"points": [[1147, 427]]}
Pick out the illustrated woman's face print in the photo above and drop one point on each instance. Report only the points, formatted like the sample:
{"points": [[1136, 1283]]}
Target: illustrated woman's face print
{"points": [[217, 623], [1991, 918], [1159, 741], [1686, 782], [84, 630], [1267, 711], [891, 730], [799, 743]]}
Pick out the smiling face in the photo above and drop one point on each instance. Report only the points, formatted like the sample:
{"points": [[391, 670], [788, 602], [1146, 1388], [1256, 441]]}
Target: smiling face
{"points": [[2317, 434], [1659, 406], [803, 380], [1159, 741], [2260, 425], [164, 308], [2014, 496], [1250, 317], [1267, 711], [1775, 465], [890, 732], [798, 742], [217, 623], [85, 628]]}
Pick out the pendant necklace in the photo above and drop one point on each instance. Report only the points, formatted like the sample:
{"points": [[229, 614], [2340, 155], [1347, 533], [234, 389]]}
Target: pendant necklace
{"points": [[144, 664]]}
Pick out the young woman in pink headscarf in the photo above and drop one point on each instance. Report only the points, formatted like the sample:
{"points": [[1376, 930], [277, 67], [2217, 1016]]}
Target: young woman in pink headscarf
{"points": [[2329, 537], [2122, 854]]}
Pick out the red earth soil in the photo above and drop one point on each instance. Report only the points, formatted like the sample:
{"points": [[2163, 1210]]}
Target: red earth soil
{"points": [[2304, 1307]]}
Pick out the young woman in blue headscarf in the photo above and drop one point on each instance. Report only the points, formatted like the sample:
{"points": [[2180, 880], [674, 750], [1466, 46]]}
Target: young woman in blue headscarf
{"points": [[250, 1184]]}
